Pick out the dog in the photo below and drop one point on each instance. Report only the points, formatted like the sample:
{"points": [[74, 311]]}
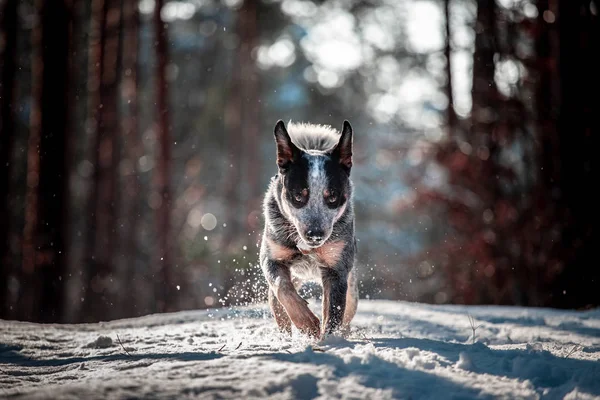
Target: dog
{"points": [[309, 228]]}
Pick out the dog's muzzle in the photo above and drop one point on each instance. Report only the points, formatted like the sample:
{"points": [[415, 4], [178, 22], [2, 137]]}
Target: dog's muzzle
{"points": [[306, 249]]}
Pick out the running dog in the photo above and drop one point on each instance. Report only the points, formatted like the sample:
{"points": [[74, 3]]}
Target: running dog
{"points": [[309, 228]]}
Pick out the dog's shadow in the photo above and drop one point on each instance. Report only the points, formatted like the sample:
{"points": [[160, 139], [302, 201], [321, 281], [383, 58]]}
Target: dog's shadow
{"points": [[12, 355], [552, 376], [377, 374]]}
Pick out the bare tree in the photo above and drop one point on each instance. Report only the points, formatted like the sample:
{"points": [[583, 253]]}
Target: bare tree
{"points": [[28, 263], [251, 106], [45, 247], [242, 130], [132, 147], [451, 114], [104, 80], [578, 126], [233, 129], [8, 36], [164, 287]]}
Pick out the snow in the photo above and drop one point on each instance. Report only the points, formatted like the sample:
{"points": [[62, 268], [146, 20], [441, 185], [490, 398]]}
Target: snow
{"points": [[396, 350]]}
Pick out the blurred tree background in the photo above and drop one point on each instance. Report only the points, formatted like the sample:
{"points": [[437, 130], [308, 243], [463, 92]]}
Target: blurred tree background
{"points": [[136, 145]]}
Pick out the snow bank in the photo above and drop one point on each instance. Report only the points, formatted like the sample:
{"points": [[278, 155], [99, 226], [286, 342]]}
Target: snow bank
{"points": [[396, 350]]}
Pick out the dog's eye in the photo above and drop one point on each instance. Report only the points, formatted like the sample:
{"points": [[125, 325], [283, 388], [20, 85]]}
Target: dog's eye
{"points": [[300, 197], [331, 196]]}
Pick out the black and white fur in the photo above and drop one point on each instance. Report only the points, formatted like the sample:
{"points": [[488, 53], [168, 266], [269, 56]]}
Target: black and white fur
{"points": [[309, 227]]}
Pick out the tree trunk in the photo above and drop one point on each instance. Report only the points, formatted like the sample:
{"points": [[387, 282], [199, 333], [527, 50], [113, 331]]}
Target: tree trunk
{"points": [[8, 35], [450, 114], [95, 68], [164, 286], [27, 297], [45, 245], [104, 72], [132, 147], [578, 125], [483, 120], [77, 151], [242, 130], [233, 129], [250, 113], [547, 210], [484, 88]]}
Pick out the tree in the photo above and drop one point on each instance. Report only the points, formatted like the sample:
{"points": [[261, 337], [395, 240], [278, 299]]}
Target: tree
{"points": [[164, 286], [578, 124], [522, 233], [105, 44], [242, 130], [8, 36], [451, 119], [132, 147], [250, 111], [472, 157], [45, 247]]}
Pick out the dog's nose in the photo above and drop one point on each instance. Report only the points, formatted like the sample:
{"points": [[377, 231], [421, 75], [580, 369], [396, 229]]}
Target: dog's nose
{"points": [[315, 235]]}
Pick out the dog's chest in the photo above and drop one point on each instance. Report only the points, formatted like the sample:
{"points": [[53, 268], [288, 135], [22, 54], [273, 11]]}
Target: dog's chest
{"points": [[327, 256], [307, 267]]}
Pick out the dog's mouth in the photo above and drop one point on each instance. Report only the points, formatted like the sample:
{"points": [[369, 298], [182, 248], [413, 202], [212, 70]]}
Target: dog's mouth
{"points": [[306, 246]]}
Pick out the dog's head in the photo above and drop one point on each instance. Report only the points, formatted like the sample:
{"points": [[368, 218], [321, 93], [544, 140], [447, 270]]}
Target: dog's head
{"points": [[316, 184]]}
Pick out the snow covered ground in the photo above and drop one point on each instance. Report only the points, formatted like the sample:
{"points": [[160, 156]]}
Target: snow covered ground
{"points": [[396, 350]]}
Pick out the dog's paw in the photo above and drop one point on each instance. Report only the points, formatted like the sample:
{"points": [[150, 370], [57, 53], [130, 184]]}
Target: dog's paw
{"points": [[306, 322], [344, 331], [335, 339], [312, 325]]}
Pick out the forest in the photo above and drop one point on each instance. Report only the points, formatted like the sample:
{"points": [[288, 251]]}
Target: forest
{"points": [[136, 145]]}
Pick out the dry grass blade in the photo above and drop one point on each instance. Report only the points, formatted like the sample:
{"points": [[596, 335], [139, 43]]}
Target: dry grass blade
{"points": [[238, 346], [123, 347], [573, 350], [473, 327], [222, 347]]}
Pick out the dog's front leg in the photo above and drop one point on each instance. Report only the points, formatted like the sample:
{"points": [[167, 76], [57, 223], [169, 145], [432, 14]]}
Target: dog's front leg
{"points": [[280, 283], [281, 317], [335, 288]]}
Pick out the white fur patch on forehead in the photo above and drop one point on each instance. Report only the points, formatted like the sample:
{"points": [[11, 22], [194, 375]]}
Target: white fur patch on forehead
{"points": [[322, 138], [317, 179]]}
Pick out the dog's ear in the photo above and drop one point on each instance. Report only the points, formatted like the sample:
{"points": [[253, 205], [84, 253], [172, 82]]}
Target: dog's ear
{"points": [[343, 150], [287, 152]]}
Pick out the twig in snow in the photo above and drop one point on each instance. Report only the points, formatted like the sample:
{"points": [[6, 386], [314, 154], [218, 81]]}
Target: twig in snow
{"points": [[473, 327], [123, 347], [289, 351], [222, 347], [318, 349], [238, 346], [573, 350]]}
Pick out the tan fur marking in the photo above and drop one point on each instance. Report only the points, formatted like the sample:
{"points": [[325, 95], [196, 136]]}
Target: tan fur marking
{"points": [[298, 311], [351, 300], [281, 317], [330, 253], [279, 252]]}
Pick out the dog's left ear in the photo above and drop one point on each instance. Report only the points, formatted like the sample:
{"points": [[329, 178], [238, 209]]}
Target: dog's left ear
{"points": [[343, 150], [287, 152]]}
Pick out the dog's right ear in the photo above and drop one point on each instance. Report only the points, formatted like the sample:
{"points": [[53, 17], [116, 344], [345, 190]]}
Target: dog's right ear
{"points": [[287, 152]]}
